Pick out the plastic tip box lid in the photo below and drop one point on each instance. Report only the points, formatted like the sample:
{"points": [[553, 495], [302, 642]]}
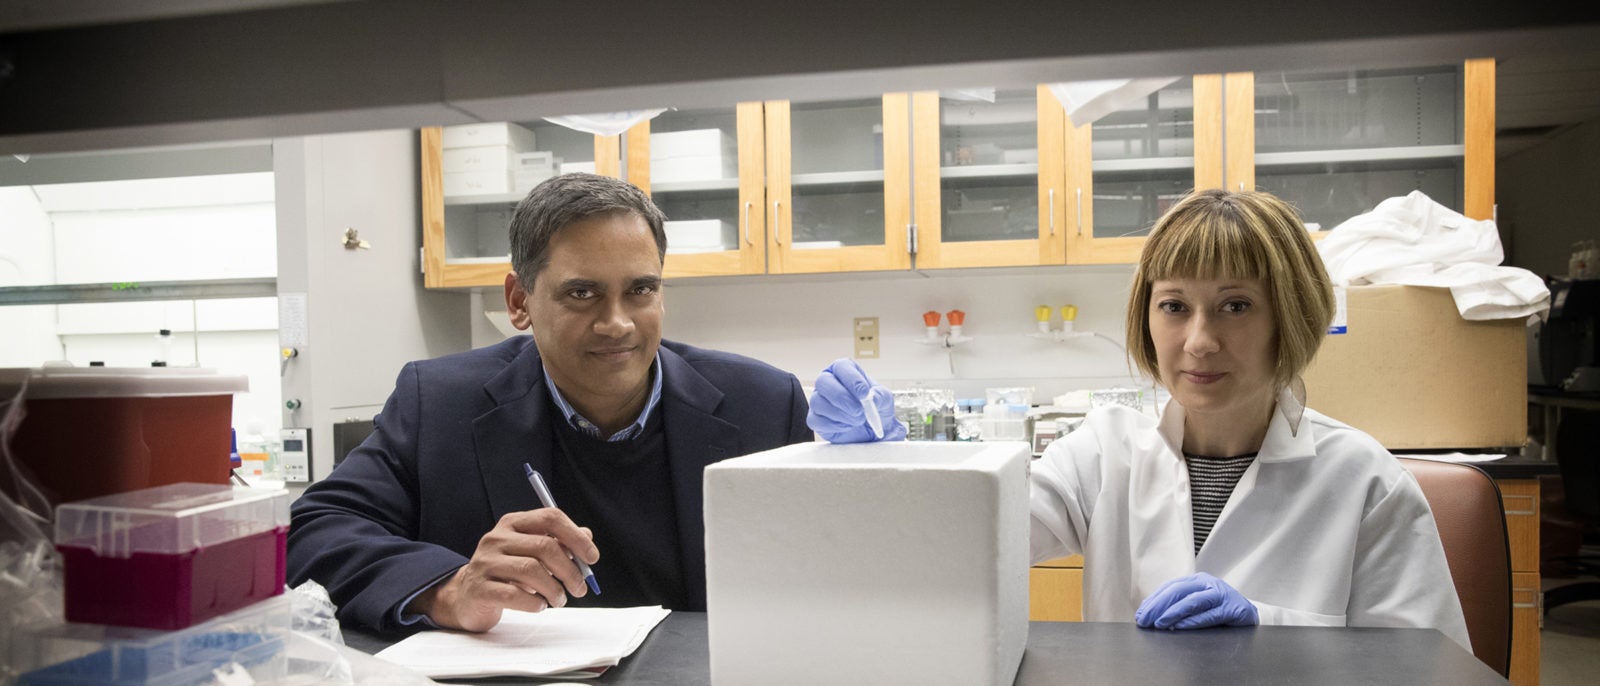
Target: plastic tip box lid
{"points": [[170, 519], [120, 382]]}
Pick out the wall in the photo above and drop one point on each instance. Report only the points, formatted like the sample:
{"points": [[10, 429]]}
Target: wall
{"points": [[366, 312], [1546, 198], [802, 323], [164, 228]]}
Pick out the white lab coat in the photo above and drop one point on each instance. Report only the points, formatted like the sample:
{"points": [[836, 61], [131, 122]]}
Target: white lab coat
{"points": [[1325, 528]]}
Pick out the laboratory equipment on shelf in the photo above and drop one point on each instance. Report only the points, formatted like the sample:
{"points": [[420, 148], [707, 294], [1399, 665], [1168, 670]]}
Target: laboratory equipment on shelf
{"points": [[928, 413]]}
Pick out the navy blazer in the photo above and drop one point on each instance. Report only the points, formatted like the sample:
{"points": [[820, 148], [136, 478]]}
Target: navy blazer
{"points": [[445, 461]]}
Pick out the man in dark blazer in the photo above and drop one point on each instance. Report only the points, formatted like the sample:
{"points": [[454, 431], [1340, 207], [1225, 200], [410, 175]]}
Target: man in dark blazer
{"points": [[432, 521]]}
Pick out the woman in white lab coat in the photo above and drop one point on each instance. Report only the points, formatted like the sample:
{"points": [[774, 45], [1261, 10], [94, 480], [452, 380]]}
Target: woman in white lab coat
{"points": [[1238, 505]]}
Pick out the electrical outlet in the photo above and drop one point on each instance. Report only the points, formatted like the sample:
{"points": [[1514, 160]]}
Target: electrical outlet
{"points": [[866, 336]]}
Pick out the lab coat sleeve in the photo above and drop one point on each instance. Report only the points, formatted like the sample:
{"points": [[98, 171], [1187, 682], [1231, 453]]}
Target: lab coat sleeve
{"points": [[1401, 578], [354, 531], [1060, 498]]}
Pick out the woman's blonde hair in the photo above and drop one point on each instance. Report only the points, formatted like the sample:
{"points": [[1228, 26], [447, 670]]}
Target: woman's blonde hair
{"points": [[1216, 234]]}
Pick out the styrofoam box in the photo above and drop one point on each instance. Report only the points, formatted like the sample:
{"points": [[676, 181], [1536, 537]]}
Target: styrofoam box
{"points": [[575, 167], [876, 563], [70, 654], [479, 183], [693, 168], [695, 143], [499, 133], [697, 233], [480, 158]]}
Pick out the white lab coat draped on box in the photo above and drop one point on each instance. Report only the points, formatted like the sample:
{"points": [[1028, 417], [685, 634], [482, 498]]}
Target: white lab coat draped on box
{"points": [[1325, 528]]}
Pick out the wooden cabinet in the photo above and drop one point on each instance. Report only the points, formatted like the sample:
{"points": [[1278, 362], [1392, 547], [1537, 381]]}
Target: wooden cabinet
{"points": [[1125, 169], [988, 175], [936, 180], [464, 234], [1335, 143], [1055, 590], [1520, 499]]}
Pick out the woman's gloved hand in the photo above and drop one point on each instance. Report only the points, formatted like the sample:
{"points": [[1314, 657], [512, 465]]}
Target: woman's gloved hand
{"points": [[844, 394], [1195, 602]]}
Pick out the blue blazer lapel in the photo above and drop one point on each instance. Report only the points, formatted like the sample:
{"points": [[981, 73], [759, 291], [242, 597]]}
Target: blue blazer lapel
{"points": [[517, 430], [696, 437]]}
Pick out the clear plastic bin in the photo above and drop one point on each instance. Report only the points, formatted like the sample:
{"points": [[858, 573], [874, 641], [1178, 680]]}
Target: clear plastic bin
{"points": [[75, 654], [171, 556]]}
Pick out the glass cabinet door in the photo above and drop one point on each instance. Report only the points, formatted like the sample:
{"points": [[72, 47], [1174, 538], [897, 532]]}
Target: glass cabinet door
{"points": [[474, 175], [1336, 143], [838, 185], [988, 178], [705, 173], [1126, 168]]}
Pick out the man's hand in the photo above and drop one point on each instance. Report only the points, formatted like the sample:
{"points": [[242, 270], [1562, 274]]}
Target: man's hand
{"points": [[521, 564]]}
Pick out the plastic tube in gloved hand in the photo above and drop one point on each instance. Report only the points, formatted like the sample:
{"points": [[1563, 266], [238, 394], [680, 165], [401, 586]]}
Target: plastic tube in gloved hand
{"points": [[847, 402]]}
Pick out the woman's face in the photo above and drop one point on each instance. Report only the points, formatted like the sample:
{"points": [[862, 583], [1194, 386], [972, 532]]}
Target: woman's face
{"points": [[1216, 344]]}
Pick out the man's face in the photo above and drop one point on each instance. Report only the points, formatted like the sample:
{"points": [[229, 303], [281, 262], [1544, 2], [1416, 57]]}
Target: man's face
{"points": [[596, 309]]}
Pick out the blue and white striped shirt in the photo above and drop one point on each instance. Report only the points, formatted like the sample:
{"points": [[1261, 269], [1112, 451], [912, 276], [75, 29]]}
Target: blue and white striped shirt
{"points": [[582, 424]]}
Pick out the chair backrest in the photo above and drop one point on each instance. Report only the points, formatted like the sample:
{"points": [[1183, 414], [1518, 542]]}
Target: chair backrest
{"points": [[1472, 525]]}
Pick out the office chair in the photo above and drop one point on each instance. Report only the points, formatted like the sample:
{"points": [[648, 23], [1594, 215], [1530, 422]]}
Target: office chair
{"points": [[1466, 508]]}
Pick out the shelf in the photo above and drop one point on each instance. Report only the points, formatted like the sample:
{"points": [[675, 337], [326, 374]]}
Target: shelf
{"points": [[988, 171], [264, 287], [485, 199], [1142, 164], [846, 178], [1410, 153], [702, 185]]}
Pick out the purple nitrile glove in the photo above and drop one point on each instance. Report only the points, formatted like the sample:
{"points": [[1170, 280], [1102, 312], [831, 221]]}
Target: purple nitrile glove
{"points": [[839, 406], [1195, 602]]}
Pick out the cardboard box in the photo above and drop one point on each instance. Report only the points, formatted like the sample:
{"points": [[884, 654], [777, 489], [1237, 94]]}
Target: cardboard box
{"points": [[1413, 374], [875, 563], [497, 133]]}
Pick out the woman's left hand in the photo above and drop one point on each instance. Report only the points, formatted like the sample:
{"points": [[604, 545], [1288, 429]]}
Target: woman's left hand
{"points": [[1195, 602]]}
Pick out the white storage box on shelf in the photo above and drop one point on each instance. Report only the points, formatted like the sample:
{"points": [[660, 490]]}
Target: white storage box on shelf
{"points": [[696, 155], [483, 158], [496, 133], [699, 235], [479, 183], [878, 563], [254, 637]]}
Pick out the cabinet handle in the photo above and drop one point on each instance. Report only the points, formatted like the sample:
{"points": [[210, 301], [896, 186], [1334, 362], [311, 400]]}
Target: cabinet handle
{"points": [[1079, 192], [1052, 211], [777, 233], [747, 207], [1241, 186]]}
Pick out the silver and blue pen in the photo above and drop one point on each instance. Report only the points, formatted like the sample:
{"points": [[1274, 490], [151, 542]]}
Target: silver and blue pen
{"points": [[546, 500]]}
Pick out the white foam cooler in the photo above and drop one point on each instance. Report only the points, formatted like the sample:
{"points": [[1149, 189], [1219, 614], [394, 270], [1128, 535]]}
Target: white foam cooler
{"points": [[879, 563]]}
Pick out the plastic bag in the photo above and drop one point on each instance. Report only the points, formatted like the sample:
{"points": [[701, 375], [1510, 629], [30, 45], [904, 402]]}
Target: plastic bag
{"points": [[604, 124], [317, 652], [1087, 101], [30, 567]]}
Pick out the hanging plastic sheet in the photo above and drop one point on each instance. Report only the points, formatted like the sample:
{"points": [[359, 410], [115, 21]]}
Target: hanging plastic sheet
{"points": [[30, 568], [1412, 240], [605, 124], [1087, 101]]}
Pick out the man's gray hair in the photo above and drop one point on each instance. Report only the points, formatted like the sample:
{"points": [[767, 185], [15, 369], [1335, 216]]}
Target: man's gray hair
{"points": [[566, 200]]}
